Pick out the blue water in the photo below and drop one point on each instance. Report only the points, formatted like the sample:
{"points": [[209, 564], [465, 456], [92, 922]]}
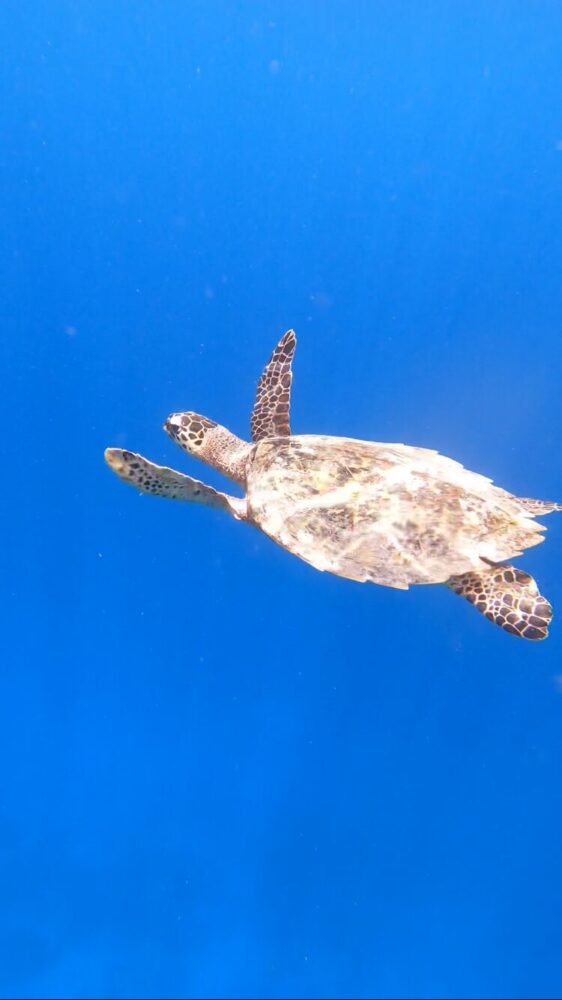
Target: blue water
{"points": [[224, 773]]}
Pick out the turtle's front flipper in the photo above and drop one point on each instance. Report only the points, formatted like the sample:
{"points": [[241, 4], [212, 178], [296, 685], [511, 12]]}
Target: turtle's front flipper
{"points": [[160, 481], [508, 597], [270, 416]]}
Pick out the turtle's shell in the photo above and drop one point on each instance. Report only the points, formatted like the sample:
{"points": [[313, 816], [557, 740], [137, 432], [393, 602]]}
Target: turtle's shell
{"points": [[388, 513]]}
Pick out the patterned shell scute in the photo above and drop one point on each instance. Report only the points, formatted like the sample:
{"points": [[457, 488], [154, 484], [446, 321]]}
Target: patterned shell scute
{"points": [[388, 513]]}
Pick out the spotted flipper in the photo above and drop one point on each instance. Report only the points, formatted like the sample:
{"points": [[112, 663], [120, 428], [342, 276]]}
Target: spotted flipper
{"points": [[158, 480], [508, 597], [538, 507], [270, 416]]}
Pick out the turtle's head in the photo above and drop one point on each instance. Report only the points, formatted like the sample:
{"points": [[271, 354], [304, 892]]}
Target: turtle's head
{"points": [[210, 442]]}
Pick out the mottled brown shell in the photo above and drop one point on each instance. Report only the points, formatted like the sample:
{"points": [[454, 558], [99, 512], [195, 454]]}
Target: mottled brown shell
{"points": [[388, 513]]}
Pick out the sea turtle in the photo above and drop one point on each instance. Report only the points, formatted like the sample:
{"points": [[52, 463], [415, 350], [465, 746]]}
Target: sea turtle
{"points": [[387, 513]]}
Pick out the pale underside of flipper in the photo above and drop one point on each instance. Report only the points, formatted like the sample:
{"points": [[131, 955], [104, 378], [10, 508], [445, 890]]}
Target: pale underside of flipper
{"points": [[160, 481], [270, 416], [508, 597]]}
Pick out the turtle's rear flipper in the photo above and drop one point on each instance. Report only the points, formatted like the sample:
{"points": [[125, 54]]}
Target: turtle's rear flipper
{"points": [[508, 597], [160, 481]]}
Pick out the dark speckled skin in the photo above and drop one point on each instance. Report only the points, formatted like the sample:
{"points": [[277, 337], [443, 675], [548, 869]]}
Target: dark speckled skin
{"points": [[270, 416], [508, 597]]}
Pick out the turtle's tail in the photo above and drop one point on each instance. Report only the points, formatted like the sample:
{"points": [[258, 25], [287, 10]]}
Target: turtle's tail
{"points": [[538, 507]]}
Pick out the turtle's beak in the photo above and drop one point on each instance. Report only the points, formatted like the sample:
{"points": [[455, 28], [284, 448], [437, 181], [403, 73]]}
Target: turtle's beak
{"points": [[172, 425], [114, 458]]}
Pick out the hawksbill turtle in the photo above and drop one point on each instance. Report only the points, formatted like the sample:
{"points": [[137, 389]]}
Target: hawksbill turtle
{"points": [[390, 514]]}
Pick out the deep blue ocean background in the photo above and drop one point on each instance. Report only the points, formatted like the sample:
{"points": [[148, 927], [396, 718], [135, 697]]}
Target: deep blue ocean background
{"points": [[224, 773]]}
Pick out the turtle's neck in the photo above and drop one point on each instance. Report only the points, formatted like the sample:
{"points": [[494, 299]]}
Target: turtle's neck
{"points": [[227, 453], [211, 443]]}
